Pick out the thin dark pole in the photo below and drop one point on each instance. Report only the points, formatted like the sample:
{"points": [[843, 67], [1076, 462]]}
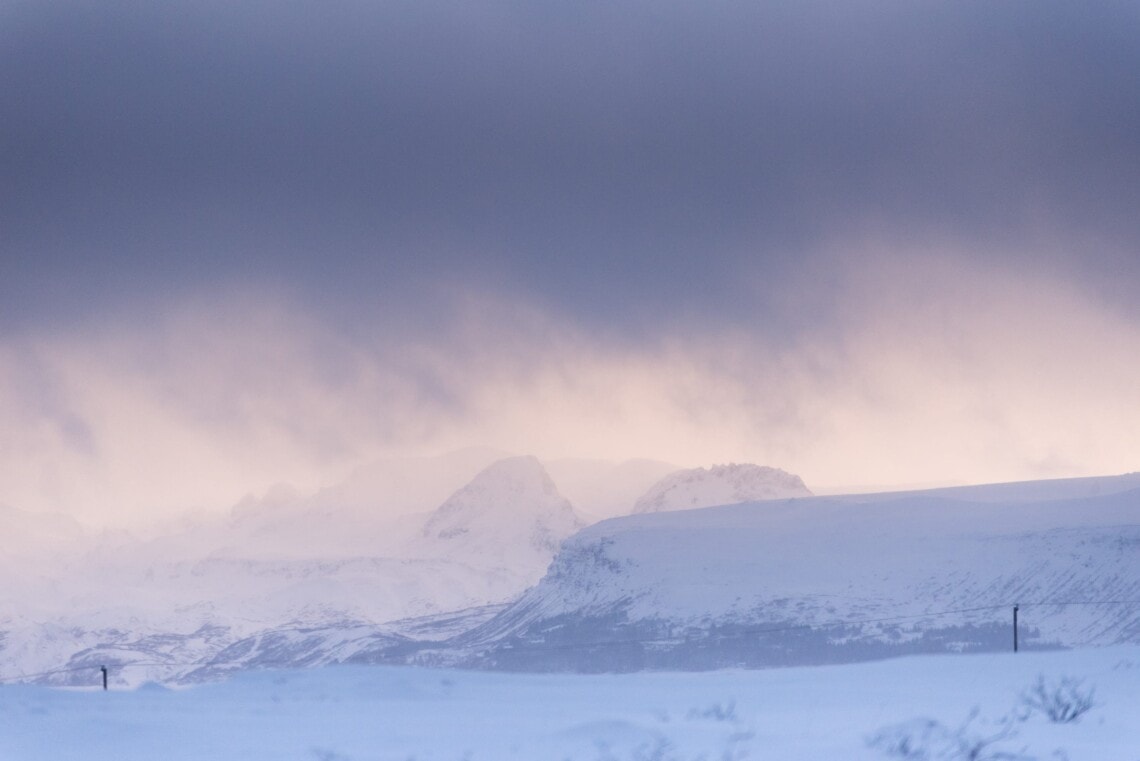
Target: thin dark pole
{"points": [[104, 670], [1015, 628]]}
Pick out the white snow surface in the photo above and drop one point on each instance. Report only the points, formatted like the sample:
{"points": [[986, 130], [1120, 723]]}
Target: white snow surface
{"points": [[940, 705], [719, 485]]}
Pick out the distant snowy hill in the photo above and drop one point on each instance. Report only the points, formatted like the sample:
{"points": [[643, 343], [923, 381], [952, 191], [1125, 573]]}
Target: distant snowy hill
{"points": [[719, 485]]}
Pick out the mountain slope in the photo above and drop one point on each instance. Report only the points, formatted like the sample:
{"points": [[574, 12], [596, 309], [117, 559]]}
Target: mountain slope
{"points": [[819, 580]]}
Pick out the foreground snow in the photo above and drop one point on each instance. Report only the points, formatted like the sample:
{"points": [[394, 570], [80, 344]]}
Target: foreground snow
{"points": [[397, 713]]}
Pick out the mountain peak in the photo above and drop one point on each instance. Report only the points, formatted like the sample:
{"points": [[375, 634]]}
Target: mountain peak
{"points": [[510, 507], [720, 485]]}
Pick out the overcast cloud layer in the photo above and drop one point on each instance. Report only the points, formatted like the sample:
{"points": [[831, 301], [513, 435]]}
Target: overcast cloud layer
{"points": [[870, 242]]}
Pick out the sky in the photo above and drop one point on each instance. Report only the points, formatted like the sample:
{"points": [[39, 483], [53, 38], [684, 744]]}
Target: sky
{"points": [[868, 242]]}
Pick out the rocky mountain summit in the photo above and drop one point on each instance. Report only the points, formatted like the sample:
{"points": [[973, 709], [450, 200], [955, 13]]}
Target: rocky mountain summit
{"points": [[719, 485]]}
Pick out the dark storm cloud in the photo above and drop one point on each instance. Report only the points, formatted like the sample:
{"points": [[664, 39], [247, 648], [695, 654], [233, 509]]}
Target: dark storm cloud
{"points": [[616, 163]]}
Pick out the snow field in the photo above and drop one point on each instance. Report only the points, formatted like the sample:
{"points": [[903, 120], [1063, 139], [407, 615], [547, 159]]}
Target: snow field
{"points": [[401, 713]]}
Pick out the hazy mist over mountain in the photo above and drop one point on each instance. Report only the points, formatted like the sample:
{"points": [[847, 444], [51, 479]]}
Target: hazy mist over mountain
{"points": [[872, 243]]}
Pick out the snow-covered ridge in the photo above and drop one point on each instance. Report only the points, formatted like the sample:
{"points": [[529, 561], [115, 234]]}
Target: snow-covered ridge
{"points": [[720, 485], [826, 580], [1019, 491]]}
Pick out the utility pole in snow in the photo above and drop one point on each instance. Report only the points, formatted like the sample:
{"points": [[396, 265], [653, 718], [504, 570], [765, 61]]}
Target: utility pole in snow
{"points": [[1015, 628]]}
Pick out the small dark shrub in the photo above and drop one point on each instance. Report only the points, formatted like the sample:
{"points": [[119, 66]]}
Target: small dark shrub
{"points": [[1062, 701]]}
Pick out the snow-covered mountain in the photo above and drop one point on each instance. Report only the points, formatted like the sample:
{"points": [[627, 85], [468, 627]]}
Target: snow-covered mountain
{"points": [[510, 516], [802, 580], [811, 580], [719, 485], [819, 580], [283, 562]]}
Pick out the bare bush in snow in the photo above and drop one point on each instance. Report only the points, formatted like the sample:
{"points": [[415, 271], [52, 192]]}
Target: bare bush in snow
{"points": [[1062, 701], [715, 712], [930, 740]]}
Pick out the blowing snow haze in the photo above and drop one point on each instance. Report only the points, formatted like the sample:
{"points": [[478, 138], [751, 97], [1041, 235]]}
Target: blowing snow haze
{"points": [[870, 242]]}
